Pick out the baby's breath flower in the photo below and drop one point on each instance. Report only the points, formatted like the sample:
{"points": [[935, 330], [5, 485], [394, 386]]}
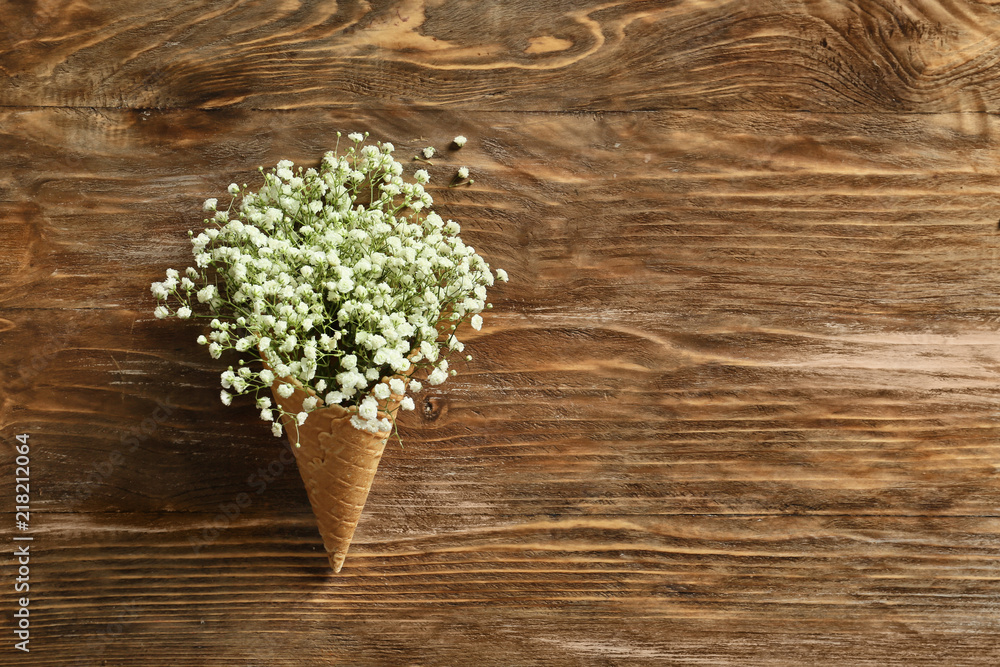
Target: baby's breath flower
{"points": [[226, 397], [340, 277], [460, 141], [206, 293]]}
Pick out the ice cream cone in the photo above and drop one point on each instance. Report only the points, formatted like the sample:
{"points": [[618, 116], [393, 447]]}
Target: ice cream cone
{"points": [[337, 463]]}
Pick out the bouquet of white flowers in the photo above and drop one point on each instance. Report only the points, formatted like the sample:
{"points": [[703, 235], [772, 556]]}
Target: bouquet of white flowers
{"points": [[343, 282]]}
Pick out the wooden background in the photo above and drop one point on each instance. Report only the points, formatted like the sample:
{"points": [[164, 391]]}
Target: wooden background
{"points": [[738, 404]]}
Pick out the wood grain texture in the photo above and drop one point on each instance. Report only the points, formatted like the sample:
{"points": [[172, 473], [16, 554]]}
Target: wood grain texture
{"points": [[821, 55], [676, 590], [736, 406]]}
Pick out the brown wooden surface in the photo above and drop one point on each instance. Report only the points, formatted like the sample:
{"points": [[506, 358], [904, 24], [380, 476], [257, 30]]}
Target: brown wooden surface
{"points": [[737, 405]]}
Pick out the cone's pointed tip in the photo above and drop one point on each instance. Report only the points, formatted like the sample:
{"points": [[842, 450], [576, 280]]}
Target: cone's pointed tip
{"points": [[337, 560]]}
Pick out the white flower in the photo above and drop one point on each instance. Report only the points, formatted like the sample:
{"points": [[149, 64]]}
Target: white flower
{"points": [[460, 141], [267, 377], [406, 403], [234, 189], [476, 322], [263, 402], [210, 204], [502, 275], [309, 403], [364, 424], [183, 312], [266, 415], [285, 390], [437, 376], [206, 293], [301, 418], [215, 350], [202, 340], [368, 408], [226, 397], [415, 386], [463, 172], [161, 312], [276, 429], [397, 386], [421, 176], [381, 391], [356, 137], [428, 152], [429, 350]]}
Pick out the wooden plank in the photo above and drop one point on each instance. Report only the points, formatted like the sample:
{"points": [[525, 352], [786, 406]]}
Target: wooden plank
{"points": [[823, 55], [803, 214], [749, 590], [581, 420]]}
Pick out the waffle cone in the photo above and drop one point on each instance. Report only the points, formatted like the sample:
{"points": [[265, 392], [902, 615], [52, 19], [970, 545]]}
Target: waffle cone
{"points": [[337, 463]]}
